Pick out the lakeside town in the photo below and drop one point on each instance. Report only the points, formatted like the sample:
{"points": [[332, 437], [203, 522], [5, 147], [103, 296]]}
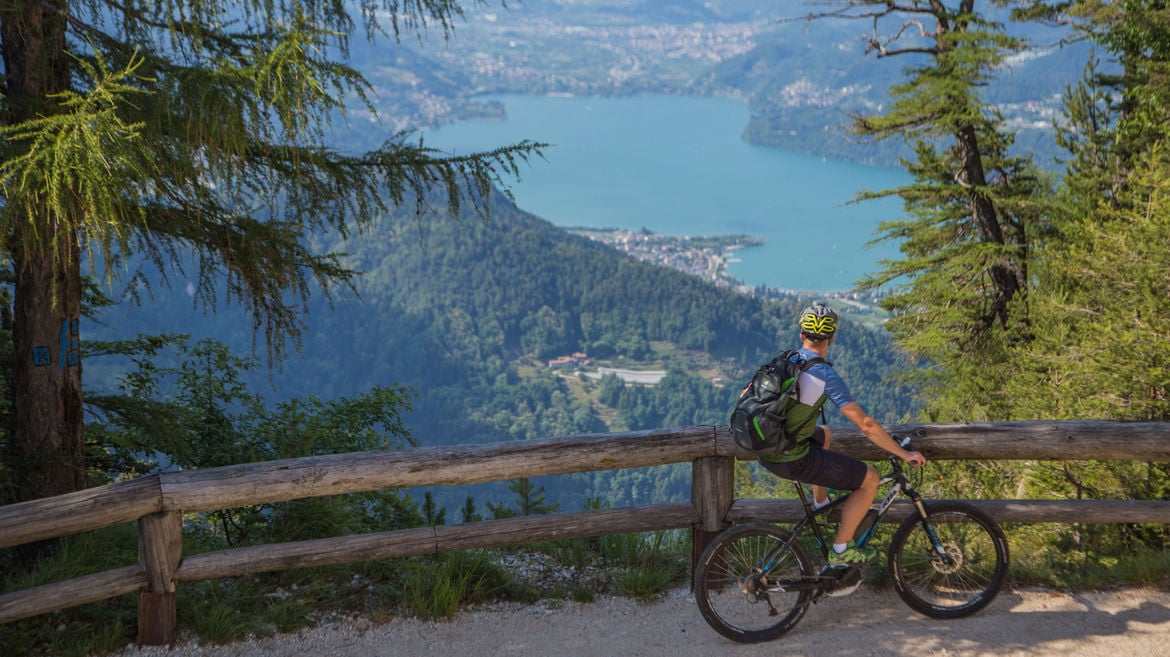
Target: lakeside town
{"points": [[707, 257]]}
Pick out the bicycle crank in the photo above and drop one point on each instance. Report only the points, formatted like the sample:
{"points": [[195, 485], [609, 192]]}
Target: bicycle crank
{"points": [[845, 580]]}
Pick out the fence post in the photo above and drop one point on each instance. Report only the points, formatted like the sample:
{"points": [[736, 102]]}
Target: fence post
{"points": [[712, 492], [160, 547]]}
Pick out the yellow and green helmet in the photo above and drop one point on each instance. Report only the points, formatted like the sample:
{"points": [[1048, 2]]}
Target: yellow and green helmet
{"points": [[818, 322]]}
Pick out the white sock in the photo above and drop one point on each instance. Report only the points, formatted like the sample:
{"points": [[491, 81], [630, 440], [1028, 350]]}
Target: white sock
{"points": [[821, 505], [840, 547]]}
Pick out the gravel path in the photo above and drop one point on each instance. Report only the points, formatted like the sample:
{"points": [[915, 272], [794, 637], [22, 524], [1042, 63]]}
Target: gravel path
{"points": [[869, 623]]}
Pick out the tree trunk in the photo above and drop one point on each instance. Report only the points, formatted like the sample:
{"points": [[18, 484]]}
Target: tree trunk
{"points": [[46, 449], [47, 442], [986, 218]]}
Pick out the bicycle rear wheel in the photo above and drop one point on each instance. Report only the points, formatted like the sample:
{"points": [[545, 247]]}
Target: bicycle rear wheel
{"points": [[745, 598], [961, 582]]}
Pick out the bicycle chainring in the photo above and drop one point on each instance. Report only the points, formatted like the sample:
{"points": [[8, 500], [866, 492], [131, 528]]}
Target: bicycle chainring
{"points": [[846, 580]]}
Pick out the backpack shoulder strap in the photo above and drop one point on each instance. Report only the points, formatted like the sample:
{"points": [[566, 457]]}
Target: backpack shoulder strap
{"points": [[813, 361], [803, 365]]}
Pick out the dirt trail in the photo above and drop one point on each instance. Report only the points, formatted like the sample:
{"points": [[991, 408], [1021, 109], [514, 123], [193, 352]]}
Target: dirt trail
{"points": [[869, 623]]}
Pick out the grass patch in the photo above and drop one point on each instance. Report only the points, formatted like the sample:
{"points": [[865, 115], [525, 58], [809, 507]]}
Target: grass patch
{"points": [[438, 588], [651, 563], [645, 583], [1052, 567], [93, 628]]}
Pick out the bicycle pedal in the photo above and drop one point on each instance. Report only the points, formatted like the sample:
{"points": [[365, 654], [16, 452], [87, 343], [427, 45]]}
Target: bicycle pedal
{"points": [[846, 578], [842, 592]]}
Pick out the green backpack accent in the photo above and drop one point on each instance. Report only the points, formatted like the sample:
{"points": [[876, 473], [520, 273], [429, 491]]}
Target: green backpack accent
{"points": [[759, 418]]}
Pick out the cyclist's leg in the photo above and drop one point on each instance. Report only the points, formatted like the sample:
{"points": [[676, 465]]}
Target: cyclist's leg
{"points": [[857, 505], [823, 469], [823, 436], [828, 469]]}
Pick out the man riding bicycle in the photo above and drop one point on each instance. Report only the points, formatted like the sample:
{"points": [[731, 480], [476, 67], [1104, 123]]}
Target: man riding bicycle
{"points": [[810, 461]]}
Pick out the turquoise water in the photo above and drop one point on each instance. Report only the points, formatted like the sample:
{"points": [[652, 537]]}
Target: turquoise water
{"points": [[676, 165]]}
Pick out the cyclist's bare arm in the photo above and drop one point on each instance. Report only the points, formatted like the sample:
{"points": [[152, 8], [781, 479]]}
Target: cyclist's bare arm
{"points": [[878, 435]]}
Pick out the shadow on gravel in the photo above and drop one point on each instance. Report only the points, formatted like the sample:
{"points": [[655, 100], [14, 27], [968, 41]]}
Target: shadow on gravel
{"points": [[1033, 623]]}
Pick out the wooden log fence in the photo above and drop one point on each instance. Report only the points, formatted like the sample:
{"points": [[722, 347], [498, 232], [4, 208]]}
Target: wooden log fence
{"points": [[158, 502]]}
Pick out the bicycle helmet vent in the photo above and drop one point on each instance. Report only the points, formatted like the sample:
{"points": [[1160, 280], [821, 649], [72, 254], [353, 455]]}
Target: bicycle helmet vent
{"points": [[818, 321]]}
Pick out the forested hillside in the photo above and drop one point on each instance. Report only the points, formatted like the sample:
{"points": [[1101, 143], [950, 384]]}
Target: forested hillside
{"points": [[494, 296], [468, 311]]}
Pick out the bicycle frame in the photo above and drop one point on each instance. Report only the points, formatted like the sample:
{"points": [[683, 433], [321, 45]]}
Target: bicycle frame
{"points": [[899, 485]]}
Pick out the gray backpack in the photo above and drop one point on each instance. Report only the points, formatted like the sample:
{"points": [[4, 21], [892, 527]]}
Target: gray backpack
{"points": [[758, 420]]}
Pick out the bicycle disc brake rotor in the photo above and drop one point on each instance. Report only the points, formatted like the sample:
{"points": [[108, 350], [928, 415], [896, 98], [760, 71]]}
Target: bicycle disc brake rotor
{"points": [[949, 564]]}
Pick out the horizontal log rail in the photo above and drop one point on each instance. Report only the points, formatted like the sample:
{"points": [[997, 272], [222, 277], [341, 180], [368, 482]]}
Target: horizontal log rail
{"points": [[1003, 511], [249, 484], [158, 501], [72, 592], [433, 540], [1023, 441], [275, 481]]}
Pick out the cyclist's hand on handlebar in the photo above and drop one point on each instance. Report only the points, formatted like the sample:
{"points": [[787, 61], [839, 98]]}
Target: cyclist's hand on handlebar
{"points": [[914, 458]]}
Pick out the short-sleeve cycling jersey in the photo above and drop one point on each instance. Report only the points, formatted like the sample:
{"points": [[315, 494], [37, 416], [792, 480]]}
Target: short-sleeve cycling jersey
{"points": [[818, 384]]}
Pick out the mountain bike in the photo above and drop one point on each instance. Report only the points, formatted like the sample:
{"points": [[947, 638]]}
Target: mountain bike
{"points": [[755, 581]]}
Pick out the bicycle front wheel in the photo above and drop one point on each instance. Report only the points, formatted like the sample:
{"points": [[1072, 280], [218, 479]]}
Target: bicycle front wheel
{"points": [[752, 583], [950, 564]]}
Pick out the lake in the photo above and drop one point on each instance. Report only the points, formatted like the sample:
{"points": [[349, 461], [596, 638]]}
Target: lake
{"points": [[676, 165]]}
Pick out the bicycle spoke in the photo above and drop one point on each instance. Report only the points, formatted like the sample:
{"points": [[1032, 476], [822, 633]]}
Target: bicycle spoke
{"points": [[745, 582], [959, 582]]}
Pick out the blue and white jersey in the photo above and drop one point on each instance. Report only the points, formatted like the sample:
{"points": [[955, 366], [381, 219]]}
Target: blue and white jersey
{"points": [[822, 380]]}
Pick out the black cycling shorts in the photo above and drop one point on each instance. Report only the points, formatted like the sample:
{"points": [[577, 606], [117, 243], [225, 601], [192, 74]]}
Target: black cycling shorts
{"points": [[821, 467]]}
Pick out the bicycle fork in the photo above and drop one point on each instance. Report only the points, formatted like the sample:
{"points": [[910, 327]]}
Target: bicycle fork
{"points": [[940, 550]]}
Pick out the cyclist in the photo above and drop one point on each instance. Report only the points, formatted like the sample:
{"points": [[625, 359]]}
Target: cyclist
{"points": [[811, 461]]}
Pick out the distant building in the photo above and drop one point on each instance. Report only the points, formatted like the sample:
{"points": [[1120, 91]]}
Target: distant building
{"points": [[577, 359], [641, 377]]}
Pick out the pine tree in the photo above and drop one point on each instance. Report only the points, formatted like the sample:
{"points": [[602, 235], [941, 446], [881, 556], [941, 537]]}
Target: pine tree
{"points": [[1100, 299], [1100, 296], [959, 291], [432, 514], [1116, 113], [530, 501], [157, 132], [469, 513]]}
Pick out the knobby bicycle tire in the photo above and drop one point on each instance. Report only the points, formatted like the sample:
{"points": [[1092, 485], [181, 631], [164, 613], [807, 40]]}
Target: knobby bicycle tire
{"points": [[738, 595], [967, 579]]}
